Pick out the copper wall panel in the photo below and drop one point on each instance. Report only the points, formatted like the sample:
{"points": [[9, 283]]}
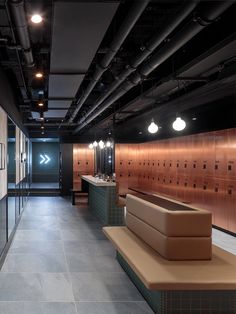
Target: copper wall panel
{"points": [[199, 169], [83, 163], [231, 204]]}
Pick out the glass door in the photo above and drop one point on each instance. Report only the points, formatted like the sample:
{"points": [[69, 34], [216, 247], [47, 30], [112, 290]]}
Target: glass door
{"points": [[11, 175]]}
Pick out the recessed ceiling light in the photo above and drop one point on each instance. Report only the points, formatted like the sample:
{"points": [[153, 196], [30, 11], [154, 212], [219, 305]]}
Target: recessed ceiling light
{"points": [[40, 104], [39, 74], [36, 18], [42, 127], [194, 118]]}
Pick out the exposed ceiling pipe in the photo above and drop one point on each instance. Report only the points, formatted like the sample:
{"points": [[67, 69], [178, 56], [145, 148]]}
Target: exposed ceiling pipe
{"points": [[17, 52], [151, 45], [180, 39], [18, 11], [136, 10]]}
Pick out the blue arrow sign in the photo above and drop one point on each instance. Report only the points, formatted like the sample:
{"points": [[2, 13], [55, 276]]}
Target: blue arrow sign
{"points": [[44, 159]]}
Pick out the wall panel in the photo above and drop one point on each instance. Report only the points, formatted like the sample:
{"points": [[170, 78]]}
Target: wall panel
{"points": [[3, 141], [83, 163], [199, 169]]}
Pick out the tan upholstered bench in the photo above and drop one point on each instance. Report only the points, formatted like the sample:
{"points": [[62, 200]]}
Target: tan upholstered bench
{"points": [[182, 234], [157, 273], [174, 284]]}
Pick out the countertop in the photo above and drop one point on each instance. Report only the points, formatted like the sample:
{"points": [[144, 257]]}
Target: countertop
{"points": [[97, 181]]}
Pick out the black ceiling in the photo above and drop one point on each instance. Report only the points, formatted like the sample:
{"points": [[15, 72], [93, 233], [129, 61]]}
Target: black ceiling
{"points": [[194, 77]]}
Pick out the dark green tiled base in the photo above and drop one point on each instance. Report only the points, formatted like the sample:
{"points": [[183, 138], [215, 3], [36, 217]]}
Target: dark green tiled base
{"points": [[181, 302], [102, 201]]}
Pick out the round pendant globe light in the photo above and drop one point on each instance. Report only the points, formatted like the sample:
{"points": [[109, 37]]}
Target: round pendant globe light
{"points": [[108, 144], [153, 127], [179, 124], [90, 146], [95, 144], [101, 144], [36, 18]]}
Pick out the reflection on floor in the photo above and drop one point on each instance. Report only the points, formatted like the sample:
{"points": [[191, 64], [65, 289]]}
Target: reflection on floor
{"points": [[44, 185], [224, 240], [61, 263]]}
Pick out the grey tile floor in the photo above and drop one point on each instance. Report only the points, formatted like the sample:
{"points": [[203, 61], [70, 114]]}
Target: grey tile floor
{"points": [[61, 263]]}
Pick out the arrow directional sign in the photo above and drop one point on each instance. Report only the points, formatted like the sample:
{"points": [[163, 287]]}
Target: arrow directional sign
{"points": [[44, 159]]}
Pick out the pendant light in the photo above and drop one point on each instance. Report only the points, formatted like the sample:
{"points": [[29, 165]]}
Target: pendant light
{"points": [[95, 144], [108, 143], [90, 146], [179, 124], [101, 144], [153, 127]]}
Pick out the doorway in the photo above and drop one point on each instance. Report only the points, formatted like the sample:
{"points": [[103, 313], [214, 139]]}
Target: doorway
{"points": [[45, 163]]}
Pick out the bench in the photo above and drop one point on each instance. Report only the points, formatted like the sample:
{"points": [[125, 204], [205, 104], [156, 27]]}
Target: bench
{"points": [[174, 284], [75, 192], [143, 191]]}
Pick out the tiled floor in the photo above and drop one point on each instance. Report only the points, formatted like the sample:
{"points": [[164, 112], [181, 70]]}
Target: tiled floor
{"points": [[61, 263]]}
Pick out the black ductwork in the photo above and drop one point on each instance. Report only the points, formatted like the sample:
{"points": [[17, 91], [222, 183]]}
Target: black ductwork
{"points": [[134, 14], [18, 11], [180, 39], [151, 45]]}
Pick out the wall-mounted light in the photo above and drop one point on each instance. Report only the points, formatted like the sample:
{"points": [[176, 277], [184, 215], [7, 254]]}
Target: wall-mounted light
{"points": [[36, 18], [95, 144], [153, 127], [179, 124], [101, 144], [90, 146]]}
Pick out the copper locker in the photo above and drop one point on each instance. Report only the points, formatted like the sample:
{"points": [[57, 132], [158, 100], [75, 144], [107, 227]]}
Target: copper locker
{"points": [[231, 153], [221, 146], [192, 189], [198, 191], [222, 210], [209, 195], [231, 204]]}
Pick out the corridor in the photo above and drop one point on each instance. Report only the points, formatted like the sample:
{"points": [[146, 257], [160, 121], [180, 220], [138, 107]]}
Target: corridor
{"points": [[61, 263]]}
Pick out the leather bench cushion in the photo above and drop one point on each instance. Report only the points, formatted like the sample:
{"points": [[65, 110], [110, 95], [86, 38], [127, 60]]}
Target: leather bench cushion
{"points": [[171, 248], [195, 223], [157, 273]]}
